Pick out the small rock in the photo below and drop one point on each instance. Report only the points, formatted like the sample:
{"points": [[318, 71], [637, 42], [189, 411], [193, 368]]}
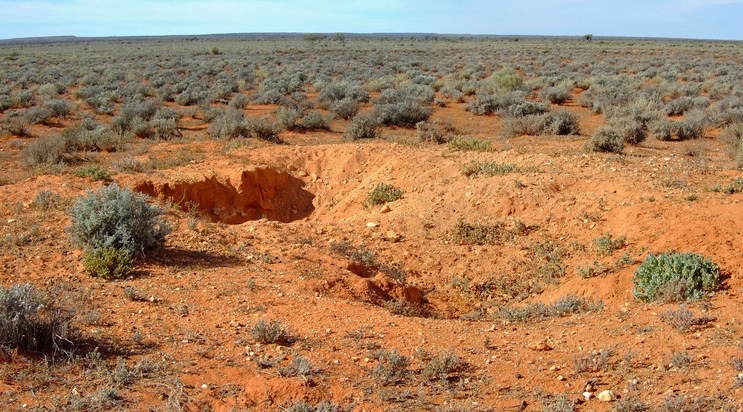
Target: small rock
{"points": [[392, 236], [587, 395], [385, 209], [607, 396], [540, 346], [560, 378], [372, 224]]}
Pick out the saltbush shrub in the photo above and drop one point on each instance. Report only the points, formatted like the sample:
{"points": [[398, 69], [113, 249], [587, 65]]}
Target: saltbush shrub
{"points": [[607, 139], [671, 277], [404, 114], [31, 321], [363, 127], [115, 217]]}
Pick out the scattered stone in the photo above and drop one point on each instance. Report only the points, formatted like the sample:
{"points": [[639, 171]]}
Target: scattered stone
{"points": [[540, 346], [386, 208], [372, 224], [587, 395], [392, 236], [560, 378], [607, 396]]}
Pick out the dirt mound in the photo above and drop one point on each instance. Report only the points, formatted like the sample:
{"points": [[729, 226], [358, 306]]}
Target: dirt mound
{"points": [[262, 193]]}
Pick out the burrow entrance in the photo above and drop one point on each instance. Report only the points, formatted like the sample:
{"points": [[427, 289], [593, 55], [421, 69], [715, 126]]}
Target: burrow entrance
{"points": [[262, 193]]}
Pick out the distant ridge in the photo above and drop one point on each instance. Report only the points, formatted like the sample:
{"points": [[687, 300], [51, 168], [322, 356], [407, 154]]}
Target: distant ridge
{"points": [[76, 39]]}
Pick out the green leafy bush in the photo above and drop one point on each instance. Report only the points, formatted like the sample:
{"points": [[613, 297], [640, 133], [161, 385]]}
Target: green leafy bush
{"points": [[384, 193], [115, 217], [109, 263], [94, 172], [675, 277], [470, 144]]}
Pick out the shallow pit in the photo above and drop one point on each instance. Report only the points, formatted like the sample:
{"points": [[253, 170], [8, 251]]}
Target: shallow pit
{"points": [[261, 193]]}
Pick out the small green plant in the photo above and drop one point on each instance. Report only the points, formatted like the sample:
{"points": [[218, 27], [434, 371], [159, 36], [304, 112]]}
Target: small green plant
{"points": [[675, 277], [443, 367], [384, 193], [464, 233], [470, 144], [736, 186], [109, 263], [476, 169], [391, 369], [94, 172], [566, 305], [684, 319], [606, 245], [272, 332]]}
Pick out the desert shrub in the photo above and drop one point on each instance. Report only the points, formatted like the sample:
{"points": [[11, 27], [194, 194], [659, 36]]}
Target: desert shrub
{"points": [[307, 407], [46, 150], [108, 262], [287, 118], [19, 126], [524, 108], [683, 319], [38, 115], [465, 233], [346, 108], [607, 244], [557, 123], [556, 95], [239, 101], [337, 91], [32, 321], [733, 136], [531, 125], [633, 132], [272, 332], [436, 131], [89, 135], [736, 186], [675, 277], [471, 144], [230, 125], [679, 105], [315, 121], [404, 114], [264, 128], [490, 103], [443, 367], [363, 127], [663, 129], [560, 404], [300, 366], [692, 127], [607, 139], [391, 369], [58, 107], [564, 306], [384, 193], [562, 123], [115, 217], [47, 200], [506, 80]]}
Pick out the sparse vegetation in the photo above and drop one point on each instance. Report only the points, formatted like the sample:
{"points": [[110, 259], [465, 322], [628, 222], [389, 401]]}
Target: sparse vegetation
{"points": [[384, 193]]}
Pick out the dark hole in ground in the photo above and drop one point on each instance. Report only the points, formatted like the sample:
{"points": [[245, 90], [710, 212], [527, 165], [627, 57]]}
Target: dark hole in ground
{"points": [[262, 193]]}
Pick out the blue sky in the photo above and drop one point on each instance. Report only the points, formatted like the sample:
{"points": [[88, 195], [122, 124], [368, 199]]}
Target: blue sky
{"points": [[713, 19]]}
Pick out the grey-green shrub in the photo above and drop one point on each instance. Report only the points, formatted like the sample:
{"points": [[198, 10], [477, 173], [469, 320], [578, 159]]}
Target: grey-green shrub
{"points": [[363, 127], [31, 321], [675, 277], [115, 217], [607, 139]]}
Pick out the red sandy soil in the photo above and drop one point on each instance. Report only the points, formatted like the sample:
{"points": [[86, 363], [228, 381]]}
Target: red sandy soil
{"points": [[215, 280]]}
